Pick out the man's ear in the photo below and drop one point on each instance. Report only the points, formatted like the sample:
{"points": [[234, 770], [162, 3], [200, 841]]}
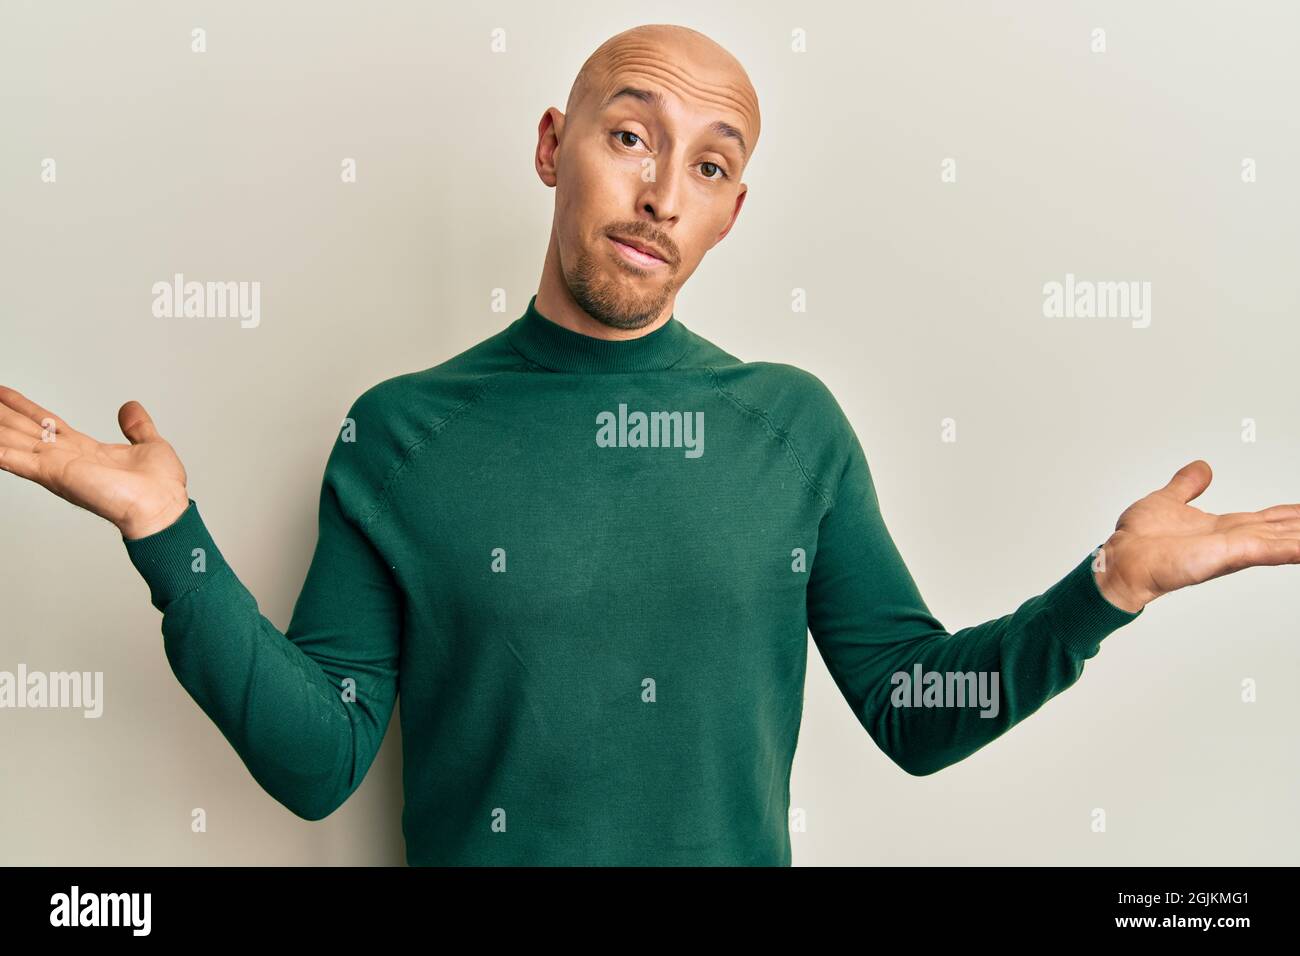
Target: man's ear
{"points": [[740, 201], [550, 132]]}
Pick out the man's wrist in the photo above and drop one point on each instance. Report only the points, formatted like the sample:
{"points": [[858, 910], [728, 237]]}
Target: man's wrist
{"points": [[134, 528], [1114, 586]]}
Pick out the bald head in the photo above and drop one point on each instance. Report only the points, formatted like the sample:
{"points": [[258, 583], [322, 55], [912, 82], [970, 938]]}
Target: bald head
{"points": [[647, 163], [682, 60]]}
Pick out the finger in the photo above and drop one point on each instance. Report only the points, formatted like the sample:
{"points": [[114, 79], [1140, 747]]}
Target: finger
{"points": [[13, 438], [1241, 519], [1279, 512], [25, 406], [136, 424], [24, 464], [1274, 530], [11, 419], [1272, 551], [1189, 480]]}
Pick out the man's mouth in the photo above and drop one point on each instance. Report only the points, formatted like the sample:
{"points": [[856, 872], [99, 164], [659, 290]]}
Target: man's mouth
{"points": [[638, 252]]}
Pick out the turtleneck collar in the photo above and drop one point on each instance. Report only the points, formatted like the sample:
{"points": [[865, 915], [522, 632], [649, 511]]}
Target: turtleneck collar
{"points": [[558, 349]]}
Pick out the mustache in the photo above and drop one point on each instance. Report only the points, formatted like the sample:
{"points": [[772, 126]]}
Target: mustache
{"points": [[649, 235]]}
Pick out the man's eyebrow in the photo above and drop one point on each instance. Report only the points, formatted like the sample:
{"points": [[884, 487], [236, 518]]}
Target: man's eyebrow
{"points": [[656, 99], [726, 129]]}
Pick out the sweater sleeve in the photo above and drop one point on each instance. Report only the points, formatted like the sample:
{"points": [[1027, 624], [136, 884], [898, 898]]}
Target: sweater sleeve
{"points": [[306, 709], [871, 626]]}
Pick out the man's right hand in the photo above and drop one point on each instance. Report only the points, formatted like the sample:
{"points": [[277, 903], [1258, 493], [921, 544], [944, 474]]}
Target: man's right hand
{"points": [[139, 487]]}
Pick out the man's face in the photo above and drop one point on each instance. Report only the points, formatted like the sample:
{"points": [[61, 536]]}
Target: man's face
{"points": [[644, 160]]}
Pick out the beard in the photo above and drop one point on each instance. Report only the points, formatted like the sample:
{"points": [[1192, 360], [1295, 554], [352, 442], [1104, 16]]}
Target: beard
{"points": [[607, 299]]}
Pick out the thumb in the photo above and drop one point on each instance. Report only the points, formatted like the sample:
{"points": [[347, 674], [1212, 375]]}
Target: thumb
{"points": [[136, 424], [1189, 480]]}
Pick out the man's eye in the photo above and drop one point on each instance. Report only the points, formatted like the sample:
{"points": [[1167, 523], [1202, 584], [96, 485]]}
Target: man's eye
{"points": [[722, 171], [622, 132]]}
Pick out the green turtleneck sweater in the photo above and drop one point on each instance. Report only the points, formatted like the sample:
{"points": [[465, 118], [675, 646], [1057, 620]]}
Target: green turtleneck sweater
{"points": [[590, 568]]}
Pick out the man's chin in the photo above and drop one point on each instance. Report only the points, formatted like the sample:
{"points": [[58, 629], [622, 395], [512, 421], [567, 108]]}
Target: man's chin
{"points": [[615, 293], [616, 305]]}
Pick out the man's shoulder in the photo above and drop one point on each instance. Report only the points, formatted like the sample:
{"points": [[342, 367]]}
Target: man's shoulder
{"points": [[394, 416], [795, 406], [448, 382], [784, 392]]}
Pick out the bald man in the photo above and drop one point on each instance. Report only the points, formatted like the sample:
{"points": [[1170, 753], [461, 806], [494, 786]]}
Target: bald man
{"points": [[589, 550]]}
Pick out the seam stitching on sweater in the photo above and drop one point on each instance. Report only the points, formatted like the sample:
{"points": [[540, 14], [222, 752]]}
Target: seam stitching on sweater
{"points": [[529, 363], [678, 361], [781, 434], [482, 386]]}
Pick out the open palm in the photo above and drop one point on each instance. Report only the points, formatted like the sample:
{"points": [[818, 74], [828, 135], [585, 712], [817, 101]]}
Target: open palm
{"points": [[140, 487], [1161, 543]]}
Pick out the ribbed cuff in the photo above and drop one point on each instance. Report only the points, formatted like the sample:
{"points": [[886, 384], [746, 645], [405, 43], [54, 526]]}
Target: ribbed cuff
{"points": [[1082, 615], [177, 559]]}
